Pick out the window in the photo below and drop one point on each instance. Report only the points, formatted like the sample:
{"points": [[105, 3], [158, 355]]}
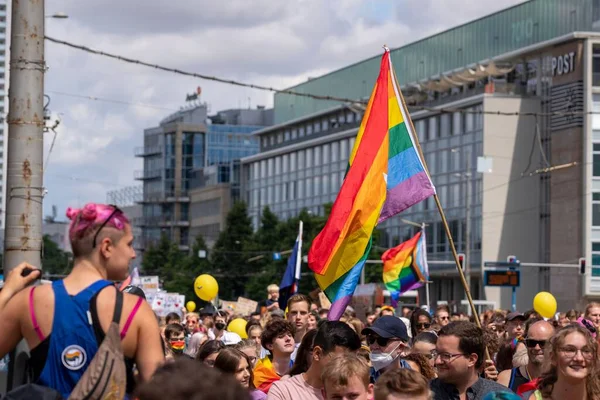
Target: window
{"points": [[285, 163], [457, 123], [326, 154], [335, 148], [309, 159], [309, 129], [280, 137], [469, 120], [317, 127], [317, 185], [301, 162], [318, 155], [325, 124], [292, 162], [595, 258], [445, 127], [286, 136], [421, 130], [265, 141], [272, 140], [595, 209], [277, 165], [433, 128], [344, 150], [301, 131], [596, 160], [270, 167], [301, 189], [263, 169]]}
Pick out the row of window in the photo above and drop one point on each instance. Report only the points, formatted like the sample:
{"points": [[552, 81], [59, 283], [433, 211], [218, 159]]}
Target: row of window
{"points": [[309, 128]]}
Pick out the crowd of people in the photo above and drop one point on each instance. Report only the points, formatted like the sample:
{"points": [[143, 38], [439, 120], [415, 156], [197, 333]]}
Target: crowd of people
{"points": [[291, 354]]}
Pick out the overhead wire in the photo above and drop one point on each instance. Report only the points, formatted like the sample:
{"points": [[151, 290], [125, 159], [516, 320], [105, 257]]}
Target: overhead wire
{"points": [[94, 98], [442, 110]]}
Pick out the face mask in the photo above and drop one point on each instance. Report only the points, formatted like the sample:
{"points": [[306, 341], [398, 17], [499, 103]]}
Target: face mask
{"points": [[380, 360], [220, 326], [178, 346]]}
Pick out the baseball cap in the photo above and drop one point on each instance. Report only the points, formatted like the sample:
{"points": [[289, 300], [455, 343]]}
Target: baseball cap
{"points": [[515, 315], [388, 327], [135, 290], [208, 310], [231, 338], [278, 313]]}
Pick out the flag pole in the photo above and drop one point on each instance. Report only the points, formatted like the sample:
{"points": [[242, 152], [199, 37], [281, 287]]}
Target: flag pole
{"points": [[442, 215], [299, 255]]}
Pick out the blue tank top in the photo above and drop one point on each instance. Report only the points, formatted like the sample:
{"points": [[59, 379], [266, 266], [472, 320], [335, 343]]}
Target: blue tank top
{"points": [[72, 341]]}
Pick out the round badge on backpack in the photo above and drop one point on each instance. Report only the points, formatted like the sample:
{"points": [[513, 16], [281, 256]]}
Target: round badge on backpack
{"points": [[73, 357]]}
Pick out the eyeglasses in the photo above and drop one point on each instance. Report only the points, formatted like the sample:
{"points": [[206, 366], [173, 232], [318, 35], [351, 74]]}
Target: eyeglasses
{"points": [[571, 351], [445, 357], [531, 343], [115, 211], [380, 341], [423, 326], [444, 318]]}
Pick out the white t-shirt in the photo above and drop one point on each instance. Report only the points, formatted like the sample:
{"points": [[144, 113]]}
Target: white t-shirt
{"points": [[294, 388]]}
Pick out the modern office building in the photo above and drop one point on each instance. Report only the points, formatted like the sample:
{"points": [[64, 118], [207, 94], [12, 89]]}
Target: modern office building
{"points": [[501, 107], [175, 152]]}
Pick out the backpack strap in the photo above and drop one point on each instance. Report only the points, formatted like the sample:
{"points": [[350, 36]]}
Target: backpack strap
{"points": [[118, 307]]}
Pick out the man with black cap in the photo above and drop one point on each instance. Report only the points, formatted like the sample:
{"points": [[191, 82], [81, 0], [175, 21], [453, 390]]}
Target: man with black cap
{"points": [[515, 325], [388, 342]]}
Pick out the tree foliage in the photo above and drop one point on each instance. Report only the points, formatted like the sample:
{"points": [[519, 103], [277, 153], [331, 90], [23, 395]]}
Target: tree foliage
{"points": [[241, 260]]}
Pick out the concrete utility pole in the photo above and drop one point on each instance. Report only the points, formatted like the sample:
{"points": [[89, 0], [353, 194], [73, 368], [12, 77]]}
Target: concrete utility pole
{"points": [[24, 186]]}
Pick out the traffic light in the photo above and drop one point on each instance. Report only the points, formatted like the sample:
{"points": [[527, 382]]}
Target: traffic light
{"points": [[461, 260], [582, 266]]}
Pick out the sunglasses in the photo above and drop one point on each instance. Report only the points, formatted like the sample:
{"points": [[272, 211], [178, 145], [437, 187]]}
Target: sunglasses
{"points": [[112, 214], [423, 326], [531, 343], [380, 341]]}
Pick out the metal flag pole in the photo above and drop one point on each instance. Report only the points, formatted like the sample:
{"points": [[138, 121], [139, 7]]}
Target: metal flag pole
{"points": [[299, 256]]}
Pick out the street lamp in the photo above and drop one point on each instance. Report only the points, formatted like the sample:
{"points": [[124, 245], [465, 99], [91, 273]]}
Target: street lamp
{"points": [[58, 15]]}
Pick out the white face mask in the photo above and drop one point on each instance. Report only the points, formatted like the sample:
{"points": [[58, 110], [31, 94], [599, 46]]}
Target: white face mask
{"points": [[380, 360]]}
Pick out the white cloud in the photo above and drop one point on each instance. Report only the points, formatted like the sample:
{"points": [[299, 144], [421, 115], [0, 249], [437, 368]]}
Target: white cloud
{"points": [[268, 42]]}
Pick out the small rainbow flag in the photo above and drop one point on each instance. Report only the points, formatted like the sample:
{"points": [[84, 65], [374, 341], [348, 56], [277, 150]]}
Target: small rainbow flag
{"points": [[405, 266], [385, 176], [265, 375]]}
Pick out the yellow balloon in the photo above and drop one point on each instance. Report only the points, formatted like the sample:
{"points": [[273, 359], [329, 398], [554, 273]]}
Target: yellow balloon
{"points": [[206, 287], [190, 306], [238, 326], [545, 304]]}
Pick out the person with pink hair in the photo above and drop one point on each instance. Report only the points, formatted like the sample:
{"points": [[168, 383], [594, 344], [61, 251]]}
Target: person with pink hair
{"points": [[65, 322]]}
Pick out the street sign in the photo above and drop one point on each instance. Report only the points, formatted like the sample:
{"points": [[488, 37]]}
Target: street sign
{"points": [[502, 264], [506, 278]]}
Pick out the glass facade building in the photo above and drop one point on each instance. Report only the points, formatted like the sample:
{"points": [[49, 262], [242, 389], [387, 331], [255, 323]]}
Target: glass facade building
{"points": [[174, 152]]}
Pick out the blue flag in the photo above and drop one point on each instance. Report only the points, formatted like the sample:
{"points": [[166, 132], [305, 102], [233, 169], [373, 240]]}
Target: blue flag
{"points": [[291, 277]]}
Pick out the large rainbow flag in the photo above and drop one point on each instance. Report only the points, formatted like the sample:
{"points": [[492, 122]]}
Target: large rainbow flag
{"points": [[385, 176], [405, 266]]}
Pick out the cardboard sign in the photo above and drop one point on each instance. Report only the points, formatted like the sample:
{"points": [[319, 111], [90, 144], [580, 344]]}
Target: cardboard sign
{"points": [[149, 284], [229, 306], [158, 304], [245, 306]]}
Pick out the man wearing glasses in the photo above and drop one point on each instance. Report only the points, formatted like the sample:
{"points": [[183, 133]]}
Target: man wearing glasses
{"points": [[536, 337], [388, 341], [442, 315], [459, 356]]}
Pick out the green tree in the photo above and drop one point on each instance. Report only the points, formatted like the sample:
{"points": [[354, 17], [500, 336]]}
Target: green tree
{"points": [[156, 257], [54, 261], [231, 252], [268, 240]]}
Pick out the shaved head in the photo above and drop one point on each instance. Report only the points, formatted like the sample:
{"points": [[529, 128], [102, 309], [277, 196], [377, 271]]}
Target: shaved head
{"points": [[541, 330]]}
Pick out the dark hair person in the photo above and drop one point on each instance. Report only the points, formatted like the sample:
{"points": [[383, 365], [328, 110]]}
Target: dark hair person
{"points": [[209, 351], [186, 379], [420, 321], [304, 354], [233, 361], [70, 317]]}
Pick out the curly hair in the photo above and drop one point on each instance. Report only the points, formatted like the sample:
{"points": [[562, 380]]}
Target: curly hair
{"points": [[274, 329], [421, 360], [550, 375]]}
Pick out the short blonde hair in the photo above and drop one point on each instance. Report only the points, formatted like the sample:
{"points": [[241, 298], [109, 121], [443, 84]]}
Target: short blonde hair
{"points": [[401, 381], [590, 306], [272, 288], [342, 368]]}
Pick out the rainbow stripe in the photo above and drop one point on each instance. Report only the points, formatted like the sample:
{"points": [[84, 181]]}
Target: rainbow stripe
{"points": [[265, 375], [405, 266], [385, 176]]}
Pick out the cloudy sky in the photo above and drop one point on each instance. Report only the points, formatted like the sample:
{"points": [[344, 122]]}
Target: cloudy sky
{"points": [[269, 42]]}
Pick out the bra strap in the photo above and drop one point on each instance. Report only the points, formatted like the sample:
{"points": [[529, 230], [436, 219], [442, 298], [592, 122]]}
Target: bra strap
{"points": [[36, 326], [130, 318]]}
